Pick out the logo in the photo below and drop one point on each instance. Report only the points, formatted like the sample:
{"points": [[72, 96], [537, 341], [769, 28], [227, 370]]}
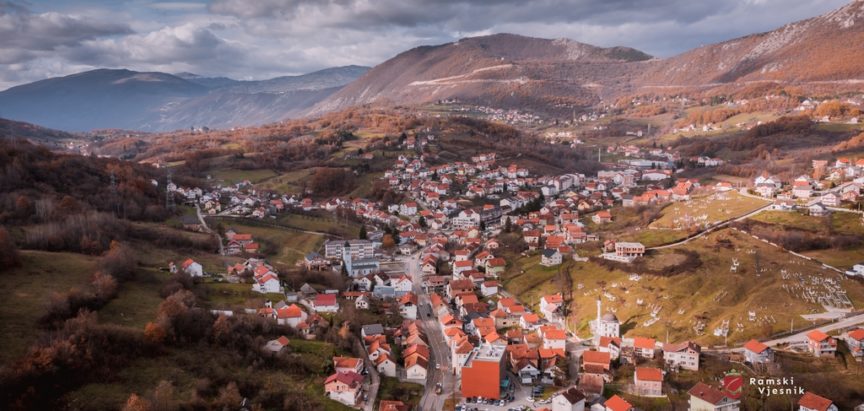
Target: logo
{"points": [[733, 384]]}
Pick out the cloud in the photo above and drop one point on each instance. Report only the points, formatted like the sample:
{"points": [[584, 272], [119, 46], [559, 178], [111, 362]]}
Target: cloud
{"points": [[22, 29], [264, 38]]}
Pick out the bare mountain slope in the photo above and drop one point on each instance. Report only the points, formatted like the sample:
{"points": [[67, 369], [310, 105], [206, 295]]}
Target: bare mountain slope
{"points": [[823, 48], [504, 69]]}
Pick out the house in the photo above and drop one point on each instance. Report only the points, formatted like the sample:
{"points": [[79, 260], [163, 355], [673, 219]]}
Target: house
{"points": [[325, 303], [371, 330], [596, 360], [830, 199], [602, 217], [314, 261], [813, 402], [757, 353], [483, 371], [550, 306], [648, 382], [644, 347], [855, 341], [415, 367], [291, 316], [820, 344], [267, 283], [495, 266], [348, 364], [344, 387], [817, 209], [684, 355], [611, 345], [489, 288], [703, 397], [385, 365], [570, 399], [408, 306], [616, 403], [277, 345], [192, 268], [550, 257], [529, 321]]}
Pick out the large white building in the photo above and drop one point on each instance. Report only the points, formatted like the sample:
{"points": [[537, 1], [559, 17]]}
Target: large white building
{"points": [[359, 249]]}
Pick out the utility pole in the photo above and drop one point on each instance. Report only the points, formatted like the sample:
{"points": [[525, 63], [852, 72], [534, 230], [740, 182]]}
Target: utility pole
{"points": [[169, 197]]}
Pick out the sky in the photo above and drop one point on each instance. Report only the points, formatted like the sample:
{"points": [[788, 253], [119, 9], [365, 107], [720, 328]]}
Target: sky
{"points": [[259, 39]]}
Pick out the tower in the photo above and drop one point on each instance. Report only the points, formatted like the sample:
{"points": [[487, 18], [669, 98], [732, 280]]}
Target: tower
{"points": [[598, 311], [169, 197]]}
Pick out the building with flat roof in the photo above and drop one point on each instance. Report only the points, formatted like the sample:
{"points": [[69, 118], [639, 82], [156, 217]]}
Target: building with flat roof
{"points": [[483, 372]]}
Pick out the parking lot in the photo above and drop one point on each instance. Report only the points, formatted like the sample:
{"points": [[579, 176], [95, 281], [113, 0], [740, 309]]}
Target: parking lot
{"points": [[522, 399]]}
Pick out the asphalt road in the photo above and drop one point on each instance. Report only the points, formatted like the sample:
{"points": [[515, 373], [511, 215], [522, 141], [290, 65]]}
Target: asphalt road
{"points": [[440, 352]]}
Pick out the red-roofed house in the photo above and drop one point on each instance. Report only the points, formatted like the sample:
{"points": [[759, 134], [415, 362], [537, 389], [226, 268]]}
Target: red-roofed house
{"points": [[855, 341], [291, 316], [813, 402], [325, 303], [648, 382], [644, 347], [616, 403], [820, 344], [706, 398], [344, 387], [757, 353]]}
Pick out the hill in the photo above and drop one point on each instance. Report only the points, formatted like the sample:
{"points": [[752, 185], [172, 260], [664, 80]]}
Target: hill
{"points": [[16, 129], [511, 71], [127, 99], [819, 49], [501, 69]]}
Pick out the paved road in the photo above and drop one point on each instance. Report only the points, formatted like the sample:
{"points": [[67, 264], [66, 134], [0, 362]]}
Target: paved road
{"points": [[713, 228], [374, 379], [440, 352], [207, 229], [801, 337]]}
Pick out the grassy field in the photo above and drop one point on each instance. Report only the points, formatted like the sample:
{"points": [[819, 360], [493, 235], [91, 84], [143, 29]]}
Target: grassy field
{"points": [[25, 291], [656, 237], [793, 220], [709, 293], [233, 176], [324, 223], [706, 210], [137, 301], [286, 246], [836, 223], [289, 183]]}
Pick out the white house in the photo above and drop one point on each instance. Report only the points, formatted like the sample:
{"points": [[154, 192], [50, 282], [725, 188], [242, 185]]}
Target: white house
{"points": [[415, 368], [550, 304], [344, 387], [757, 353], [684, 355], [813, 402], [570, 399], [325, 303], [706, 398], [291, 316], [385, 365], [268, 283], [192, 268], [550, 257]]}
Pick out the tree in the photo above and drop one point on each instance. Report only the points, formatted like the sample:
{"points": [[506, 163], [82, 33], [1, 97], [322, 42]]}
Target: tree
{"points": [[163, 397], [137, 403], [508, 225], [229, 397], [362, 234], [8, 252], [387, 241], [422, 222]]}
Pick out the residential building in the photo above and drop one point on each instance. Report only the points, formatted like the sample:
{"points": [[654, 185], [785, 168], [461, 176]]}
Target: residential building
{"points": [[483, 371], [703, 397], [820, 344], [648, 382], [344, 387], [571, 399], [757, 353], [684, 355], [813, 402]]}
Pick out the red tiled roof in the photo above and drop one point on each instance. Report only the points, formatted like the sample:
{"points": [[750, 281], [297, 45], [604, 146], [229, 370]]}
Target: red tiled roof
{"points": [[649, 374], [755, 346], [617, 403], [814, 402]]}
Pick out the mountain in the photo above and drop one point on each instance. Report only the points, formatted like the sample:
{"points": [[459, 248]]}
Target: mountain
{"points": [[125, 99], [95, 99], [511, 71], [19, 130], [826, 48], [500, 69]]}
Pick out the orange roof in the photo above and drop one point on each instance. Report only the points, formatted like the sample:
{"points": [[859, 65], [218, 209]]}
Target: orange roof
{"points": [[553, 298], [596, 357], [555, 334], [617, 403], [649, 374], [187, 263], [283, 340], [755, 346], [817, 335], [857, 334], [814, 402], [291, 311], [346, 362], [530, 318], [644, 343]]}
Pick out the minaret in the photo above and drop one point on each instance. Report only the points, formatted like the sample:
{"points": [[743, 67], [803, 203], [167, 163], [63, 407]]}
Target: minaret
{"points": [[598, 314]]}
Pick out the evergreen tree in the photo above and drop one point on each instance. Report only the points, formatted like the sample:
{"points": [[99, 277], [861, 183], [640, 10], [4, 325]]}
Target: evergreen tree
{"points": [[363, 234]]}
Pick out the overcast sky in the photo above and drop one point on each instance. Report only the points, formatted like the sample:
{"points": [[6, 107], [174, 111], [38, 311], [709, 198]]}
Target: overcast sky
{"points": [[256, 39]]}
